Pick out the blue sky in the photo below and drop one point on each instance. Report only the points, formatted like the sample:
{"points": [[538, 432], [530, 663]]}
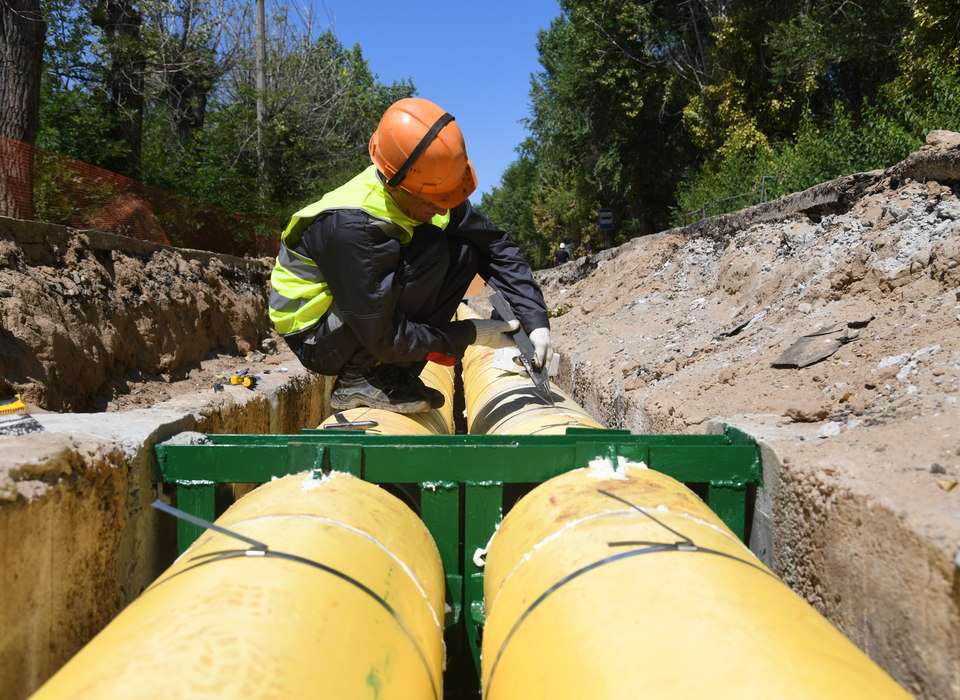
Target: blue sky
{"points": [[474, 59]]}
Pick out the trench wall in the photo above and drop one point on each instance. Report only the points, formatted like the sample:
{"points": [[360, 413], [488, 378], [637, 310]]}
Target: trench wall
{"points": [[77, 533], [82, 313]]}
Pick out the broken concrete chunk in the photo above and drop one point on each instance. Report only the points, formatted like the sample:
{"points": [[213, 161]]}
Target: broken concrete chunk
{"points": [[893, 361], [8, 488], [813, 347], [943, 138], [809, 413], [829, 430], [860, 321], [188, 437]]}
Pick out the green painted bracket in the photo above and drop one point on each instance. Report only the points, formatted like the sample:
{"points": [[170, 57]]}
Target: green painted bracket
{"points": [[461, 480]]}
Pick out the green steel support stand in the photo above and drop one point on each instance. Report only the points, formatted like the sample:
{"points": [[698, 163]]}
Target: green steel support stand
{"points": [[461, 480], [730, 503], [440, 512], [197, 498], [483, 508]]}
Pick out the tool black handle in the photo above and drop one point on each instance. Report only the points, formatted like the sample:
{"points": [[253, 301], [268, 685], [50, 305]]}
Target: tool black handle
{"points": [[351, 425], [520, 337], [527, 353]]}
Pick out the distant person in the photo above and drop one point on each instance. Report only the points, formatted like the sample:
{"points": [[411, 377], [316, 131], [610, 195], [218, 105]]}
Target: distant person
{"points": [[368, 278], [562, 255]]}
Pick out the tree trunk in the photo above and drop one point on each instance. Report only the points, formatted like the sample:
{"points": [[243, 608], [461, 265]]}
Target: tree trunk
{"points": [[185, 93], [22, 34], [121, 22]]}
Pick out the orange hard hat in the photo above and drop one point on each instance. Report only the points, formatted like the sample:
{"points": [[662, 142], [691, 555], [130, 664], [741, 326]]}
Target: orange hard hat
{"points": [[419, 148]]}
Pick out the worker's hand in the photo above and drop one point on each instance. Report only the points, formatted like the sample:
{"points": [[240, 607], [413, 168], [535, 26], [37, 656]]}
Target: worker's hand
{"points": [[542, 346], [493, 334]]}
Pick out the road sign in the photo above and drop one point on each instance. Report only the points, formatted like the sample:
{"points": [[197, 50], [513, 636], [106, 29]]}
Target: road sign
{"points": [[606, 219]]}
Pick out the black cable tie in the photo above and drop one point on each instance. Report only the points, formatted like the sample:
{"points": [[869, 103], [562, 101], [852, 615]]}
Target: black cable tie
{"points": [[183, 515], [214, 557], [683, 538], [644, 543], [613, 558]]}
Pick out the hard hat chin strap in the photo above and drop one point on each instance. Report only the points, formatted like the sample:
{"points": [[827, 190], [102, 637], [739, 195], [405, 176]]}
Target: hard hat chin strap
{"points": [[418, 151]]}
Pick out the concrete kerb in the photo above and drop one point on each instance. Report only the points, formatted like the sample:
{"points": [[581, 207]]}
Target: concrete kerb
{"points": [[99, 471]]}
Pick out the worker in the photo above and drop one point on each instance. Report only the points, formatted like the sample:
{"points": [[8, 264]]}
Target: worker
{"points": [[561, 256], [368, 278]]}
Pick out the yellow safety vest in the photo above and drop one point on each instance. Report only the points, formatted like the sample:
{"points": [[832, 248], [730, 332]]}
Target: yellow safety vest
{"points": [[299, 294]]}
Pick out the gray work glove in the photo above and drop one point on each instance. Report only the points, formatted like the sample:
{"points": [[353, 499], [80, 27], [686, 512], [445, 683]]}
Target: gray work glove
{"points": [[493, 334], [542, 346]]}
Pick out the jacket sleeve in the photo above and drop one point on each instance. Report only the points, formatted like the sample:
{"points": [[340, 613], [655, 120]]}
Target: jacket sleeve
{"points": [[360, 262], [502, 265]]}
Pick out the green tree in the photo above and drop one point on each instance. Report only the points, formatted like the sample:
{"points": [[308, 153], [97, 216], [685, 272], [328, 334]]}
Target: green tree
{"points": [[508, 206], [120, 22], [932, 45], [199, 99], [606, 121], [21, 44], [832, 51], [650, 107], [75, 115]]}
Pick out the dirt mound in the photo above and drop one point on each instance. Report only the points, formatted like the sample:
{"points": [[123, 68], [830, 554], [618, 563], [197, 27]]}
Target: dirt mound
{"points": [[693, 326], [86, 317], [848, 322]]}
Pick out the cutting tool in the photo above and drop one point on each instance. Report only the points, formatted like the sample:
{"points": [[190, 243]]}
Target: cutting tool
{"points": [[539, 376]]}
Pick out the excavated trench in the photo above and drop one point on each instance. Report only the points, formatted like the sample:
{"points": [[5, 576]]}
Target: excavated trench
{"points": [[80, 309]]}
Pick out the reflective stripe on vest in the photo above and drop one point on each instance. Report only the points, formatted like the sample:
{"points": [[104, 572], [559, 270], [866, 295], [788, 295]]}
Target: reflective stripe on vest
{"points": [[300, 296]]}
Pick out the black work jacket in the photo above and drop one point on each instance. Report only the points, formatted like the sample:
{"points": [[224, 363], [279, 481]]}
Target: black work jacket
{"points": [[359, 257]]}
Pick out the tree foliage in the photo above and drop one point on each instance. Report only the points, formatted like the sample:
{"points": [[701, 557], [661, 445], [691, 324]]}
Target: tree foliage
{"points": [[656, 109], [511, 202], [664, 109], [165, 90]]}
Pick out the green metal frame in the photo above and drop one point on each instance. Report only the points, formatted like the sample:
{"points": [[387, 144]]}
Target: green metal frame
{"points": [[461, 480]]}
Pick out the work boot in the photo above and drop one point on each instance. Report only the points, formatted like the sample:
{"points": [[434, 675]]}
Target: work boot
{"points": [[370, 387], [404, 376]]}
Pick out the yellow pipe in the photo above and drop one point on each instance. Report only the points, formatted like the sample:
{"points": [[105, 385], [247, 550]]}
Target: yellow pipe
{"points": [[588, 595], [505, 403], [582, 604], [436, 421], [347, 603]]}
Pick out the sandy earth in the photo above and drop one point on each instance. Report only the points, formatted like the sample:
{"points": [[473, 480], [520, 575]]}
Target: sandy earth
{"points": [[694, 326], [93, 322], [676, 329]]}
